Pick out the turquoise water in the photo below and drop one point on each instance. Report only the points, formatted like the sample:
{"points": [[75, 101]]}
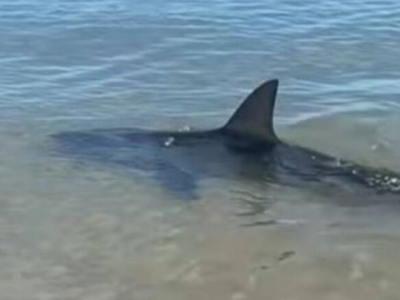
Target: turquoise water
{"points": [[73, 231], [108, 59]]}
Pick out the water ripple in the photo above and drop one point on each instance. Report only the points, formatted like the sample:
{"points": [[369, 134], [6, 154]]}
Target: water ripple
{"points": [[197, 54]]}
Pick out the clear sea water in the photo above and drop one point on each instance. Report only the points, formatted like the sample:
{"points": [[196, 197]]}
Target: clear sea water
{"points": [[81, 231]]}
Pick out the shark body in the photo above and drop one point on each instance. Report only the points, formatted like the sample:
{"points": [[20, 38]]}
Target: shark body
{"points": [[246, 148]]}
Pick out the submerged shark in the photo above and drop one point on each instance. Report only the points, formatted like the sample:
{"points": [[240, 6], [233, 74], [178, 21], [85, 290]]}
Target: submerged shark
{"points": [[246, 148]]}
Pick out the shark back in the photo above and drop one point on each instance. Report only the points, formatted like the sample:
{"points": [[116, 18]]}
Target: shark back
{"points": [[254, 117]]}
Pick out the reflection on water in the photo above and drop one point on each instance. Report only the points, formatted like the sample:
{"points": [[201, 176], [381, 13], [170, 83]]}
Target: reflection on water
{"points": [[73, 230]]}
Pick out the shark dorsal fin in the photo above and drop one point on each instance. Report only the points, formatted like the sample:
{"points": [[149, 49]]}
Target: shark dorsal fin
{"points": [[254, 116]]}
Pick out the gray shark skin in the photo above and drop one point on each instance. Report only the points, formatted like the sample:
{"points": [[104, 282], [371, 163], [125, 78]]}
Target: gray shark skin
{"points": [[246, 148]]}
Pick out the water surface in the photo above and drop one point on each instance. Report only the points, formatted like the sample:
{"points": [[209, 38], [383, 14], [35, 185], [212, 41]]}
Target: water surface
{"points": [[84, 231]]}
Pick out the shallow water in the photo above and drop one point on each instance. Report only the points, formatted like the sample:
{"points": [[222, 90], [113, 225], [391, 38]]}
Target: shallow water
{"points": [[73, 230]]}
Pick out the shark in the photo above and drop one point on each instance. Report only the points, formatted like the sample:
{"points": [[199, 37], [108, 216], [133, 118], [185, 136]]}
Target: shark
{"points": [[246, 148]]}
